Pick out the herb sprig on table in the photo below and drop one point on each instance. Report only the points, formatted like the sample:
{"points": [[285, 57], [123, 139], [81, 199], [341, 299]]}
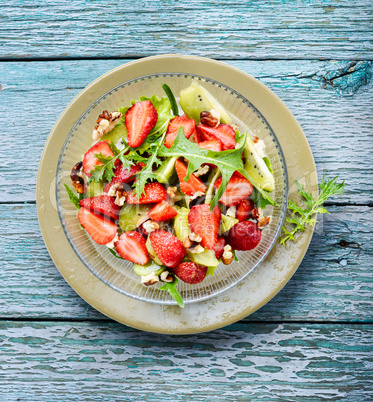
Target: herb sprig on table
{"points": [[302, 216]]}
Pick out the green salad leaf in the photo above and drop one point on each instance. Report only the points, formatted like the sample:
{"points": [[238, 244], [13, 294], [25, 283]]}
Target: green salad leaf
{"points": [[301, 216], [227, 161], [171, 289], [72, 197], [172, 99]]}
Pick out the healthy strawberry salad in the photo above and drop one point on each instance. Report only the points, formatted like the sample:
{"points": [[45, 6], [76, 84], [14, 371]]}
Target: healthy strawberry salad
{"points": [[174, 194]]}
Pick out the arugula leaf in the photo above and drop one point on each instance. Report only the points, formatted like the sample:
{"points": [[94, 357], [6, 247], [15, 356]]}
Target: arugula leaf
{"points": [[258, 199], [171, 289], [73, 198], [106, 170], [302, 217], [227, 161], [172, 99]]}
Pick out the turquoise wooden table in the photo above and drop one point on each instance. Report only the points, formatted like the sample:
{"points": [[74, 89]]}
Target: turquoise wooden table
{"points": [[313, 341]]}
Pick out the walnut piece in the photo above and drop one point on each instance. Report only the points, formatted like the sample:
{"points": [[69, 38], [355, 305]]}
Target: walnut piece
{"points": [[197, 249], [117, 190], [150, 226], [150, 279], [231, 211], [77, 179], [211, 118], [202, 170], [264, 222], [166, 277], [227, 256], [105, 123], [196, 195]]}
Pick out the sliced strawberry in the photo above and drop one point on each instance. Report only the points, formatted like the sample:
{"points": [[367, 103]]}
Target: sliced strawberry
{"points": [[189, 126], [205, 223], [219, 247], [154, 192], [131, 246], [191, 186], [142, 164], [101, 205], [140, 118], [190, 272], [122, 175], [212, 145], [101, 229], [90, 161], [163, 211], [243, 236], [237, 190], [223, 133], [244, 210], [169, 249]]}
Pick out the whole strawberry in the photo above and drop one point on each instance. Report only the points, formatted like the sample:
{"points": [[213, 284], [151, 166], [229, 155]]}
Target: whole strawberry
{"points": [[169, 249], [190, 272], [243, 236]]}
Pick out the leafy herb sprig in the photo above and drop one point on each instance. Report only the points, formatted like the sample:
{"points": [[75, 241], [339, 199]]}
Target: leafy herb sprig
{"points": [[227, 161], [72, 197], [301, 216], [171, 289]]}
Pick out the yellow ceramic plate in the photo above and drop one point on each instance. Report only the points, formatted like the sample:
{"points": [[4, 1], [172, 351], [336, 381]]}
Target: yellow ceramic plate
{"points": [[245, 298]]}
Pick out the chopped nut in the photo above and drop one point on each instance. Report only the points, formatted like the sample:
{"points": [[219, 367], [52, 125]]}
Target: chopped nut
{"points": [[111, 243], [255, 139], [117, 190], [257, 213], [105, 123], [150, 279], [171, 192], [227, 256], [187, 243], [197, 249], [150, 226], [195, 237], [231, 211], [202, 170], [235, 127], [209, 118], [264, 222], [77, 179], [196, 195], [166, 277]]}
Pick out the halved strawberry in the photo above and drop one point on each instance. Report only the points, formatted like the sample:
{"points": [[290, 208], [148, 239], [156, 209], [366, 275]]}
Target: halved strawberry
{"points": [[122, 175], [243, 236], [190, 272], [101, 205], [237, 190], [189, 126], [90, 161], [219, 247], [212, 145], [205, 223], [131, 246], [161, 212], [191, 186], [101, 229], [244, 210], [223, 133], [140, 118], [154, 192], [169, 249]]}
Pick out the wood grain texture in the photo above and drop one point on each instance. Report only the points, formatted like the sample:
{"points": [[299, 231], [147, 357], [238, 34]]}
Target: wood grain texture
{"points": [[331, 100], [107, 361], [333, 283], [221, 29]]}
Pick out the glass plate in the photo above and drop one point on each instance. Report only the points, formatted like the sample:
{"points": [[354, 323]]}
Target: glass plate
{"points": [[118, 274]]}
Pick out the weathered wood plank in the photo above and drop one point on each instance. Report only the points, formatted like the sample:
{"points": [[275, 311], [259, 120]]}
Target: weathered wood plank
{"points": [[331, 100], [245, 361], [295, 30], [334, 282]]}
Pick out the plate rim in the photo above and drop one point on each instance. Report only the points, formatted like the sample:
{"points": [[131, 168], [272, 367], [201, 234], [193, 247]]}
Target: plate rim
{"points": [[186, 63]]}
